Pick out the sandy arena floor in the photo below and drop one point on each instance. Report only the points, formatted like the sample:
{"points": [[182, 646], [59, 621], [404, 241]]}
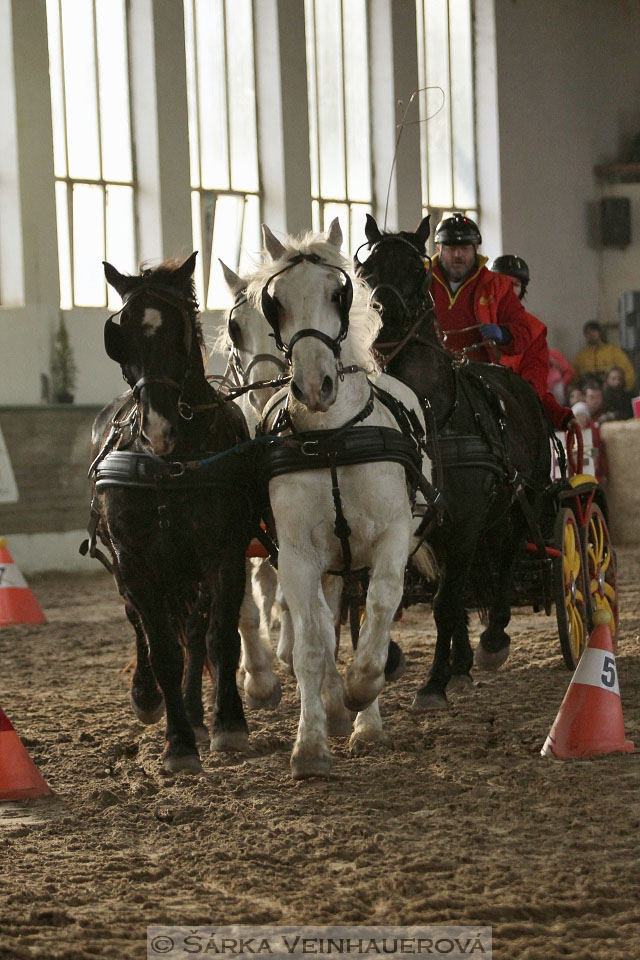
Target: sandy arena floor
{"points": [[457, 820]]}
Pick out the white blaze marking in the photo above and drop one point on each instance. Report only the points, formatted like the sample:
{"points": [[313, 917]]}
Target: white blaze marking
{"points": [[151, 321]]}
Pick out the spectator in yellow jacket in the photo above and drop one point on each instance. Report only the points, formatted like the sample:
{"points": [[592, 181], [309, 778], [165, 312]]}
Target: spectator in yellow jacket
{"points": [[598, 357]]}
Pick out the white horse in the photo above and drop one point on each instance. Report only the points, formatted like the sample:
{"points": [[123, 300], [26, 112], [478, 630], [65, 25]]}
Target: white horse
{"points": [[305, 294], [251, 358]]}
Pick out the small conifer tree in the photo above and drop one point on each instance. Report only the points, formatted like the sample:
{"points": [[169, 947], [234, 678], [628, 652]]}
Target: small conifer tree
{"points": [[63, 366]]}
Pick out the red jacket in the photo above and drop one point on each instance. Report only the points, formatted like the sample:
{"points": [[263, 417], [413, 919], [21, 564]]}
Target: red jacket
{"points": [[533, 366], [484, 297]]}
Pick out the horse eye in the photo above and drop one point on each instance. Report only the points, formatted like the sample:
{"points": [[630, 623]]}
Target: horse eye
{"points": [[235, 333], [335, 296]]}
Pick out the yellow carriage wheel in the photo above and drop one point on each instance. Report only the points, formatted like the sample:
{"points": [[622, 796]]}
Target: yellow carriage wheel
{"points": [[569, 589], [600, 567]]}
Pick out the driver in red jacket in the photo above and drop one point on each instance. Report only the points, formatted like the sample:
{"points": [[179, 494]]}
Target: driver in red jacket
{"points": [[479, 314], [533, 363]]}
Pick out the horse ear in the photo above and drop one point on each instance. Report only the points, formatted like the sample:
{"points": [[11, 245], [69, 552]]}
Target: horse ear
{"points": [[371, 230], [232, 280], [334, 233], [423, 231], [272, 245], [118, 281], [185, 270]]}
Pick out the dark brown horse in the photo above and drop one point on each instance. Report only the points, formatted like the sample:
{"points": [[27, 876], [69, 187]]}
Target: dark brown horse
{"points": [[489, 442], [174, 508]]}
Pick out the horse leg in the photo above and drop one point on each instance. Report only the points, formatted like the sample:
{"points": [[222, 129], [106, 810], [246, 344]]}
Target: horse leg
{"points": [[196, 630], [229, 728], [461, 653], [167, 662], [339, 719], [493, 647], [284, 651], [366, 675], [264, 583], [367, 730], [314, 635], [145, 697], [261, 685]]}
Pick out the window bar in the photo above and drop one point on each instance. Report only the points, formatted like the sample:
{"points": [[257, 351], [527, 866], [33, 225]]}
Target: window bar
{"points": [[451, 153], [134, 167], [344, 110], [99, 126], [225, 66], [423, 18], [196, 84], [317, 118], [66, 155]]}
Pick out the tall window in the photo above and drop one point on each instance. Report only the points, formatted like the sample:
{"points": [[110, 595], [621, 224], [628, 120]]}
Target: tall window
{"points": [[223, 141], [445, 59], [93, 161], [339, 136]]}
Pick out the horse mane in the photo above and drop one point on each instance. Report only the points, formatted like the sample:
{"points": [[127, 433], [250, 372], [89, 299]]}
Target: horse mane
{"points": [[164, 273], [364, 319]]}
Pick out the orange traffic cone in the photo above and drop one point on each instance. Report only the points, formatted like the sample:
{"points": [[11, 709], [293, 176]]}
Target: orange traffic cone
{"points": [[19, 776], [17, 603], [589, 720]]}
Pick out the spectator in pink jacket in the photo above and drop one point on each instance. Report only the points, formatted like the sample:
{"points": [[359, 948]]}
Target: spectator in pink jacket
{"points": [[561, 374]]}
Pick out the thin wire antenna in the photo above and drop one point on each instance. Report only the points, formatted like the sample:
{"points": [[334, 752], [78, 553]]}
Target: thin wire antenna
{"points": [[403, 123]]}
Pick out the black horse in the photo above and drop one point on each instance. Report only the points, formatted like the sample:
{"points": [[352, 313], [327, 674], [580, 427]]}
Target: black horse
{"points": [[489, 443], [174, 510]]}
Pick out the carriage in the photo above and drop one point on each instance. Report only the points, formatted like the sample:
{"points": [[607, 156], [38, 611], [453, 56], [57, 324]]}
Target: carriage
{"points": [[577, 574]]}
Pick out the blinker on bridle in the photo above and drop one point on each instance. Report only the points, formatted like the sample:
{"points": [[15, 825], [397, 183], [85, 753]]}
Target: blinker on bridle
{"points": [[240, 372], [114, 346], [360, 266], [270, 309]]}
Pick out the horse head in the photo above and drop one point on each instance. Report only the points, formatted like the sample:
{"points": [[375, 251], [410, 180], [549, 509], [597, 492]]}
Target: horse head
{"points": [[306, 294], [157, 344], [248, 341], [393, 265]]}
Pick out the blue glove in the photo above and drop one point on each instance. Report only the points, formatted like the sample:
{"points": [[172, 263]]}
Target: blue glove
{"points": [[492, 331]]}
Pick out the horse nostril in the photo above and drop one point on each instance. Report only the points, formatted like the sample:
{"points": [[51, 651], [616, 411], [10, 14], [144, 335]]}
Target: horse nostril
{"points": [[326, 388], [296, 391]]}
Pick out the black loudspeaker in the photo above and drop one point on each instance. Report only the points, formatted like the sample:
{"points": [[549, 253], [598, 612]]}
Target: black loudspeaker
{"points": [[615, 221]]}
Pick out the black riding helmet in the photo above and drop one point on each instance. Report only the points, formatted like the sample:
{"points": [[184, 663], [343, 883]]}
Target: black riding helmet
{"points": [[458, 230], [512, 266]]}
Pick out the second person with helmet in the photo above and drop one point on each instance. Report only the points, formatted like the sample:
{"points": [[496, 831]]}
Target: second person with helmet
{"points": [[477, 310]]}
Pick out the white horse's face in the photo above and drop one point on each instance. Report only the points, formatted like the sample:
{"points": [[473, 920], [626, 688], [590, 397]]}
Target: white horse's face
{"points": [[259, 358], [254, 353], [308, 298]]}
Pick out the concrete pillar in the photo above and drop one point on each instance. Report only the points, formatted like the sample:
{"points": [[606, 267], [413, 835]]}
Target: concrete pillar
{"points": [[283, 126], [394, 52], [161, 130]]}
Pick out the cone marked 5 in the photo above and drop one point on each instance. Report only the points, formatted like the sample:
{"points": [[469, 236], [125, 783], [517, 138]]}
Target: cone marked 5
{"points": [[19, 776], [589, 722]]}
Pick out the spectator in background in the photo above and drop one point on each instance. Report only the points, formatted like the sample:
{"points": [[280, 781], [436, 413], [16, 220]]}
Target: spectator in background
{"points": [[594, 399], [579, 406], [598, 357], [594, 402], [561, 374], [616, 400]]}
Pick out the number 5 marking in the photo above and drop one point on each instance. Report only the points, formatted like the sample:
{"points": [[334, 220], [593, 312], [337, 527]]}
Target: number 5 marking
{"points": [[609, 672]]}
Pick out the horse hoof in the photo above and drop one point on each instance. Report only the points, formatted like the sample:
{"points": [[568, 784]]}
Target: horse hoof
{"points": [[147, 715], [460, 683], [303, 768], [202, 735], [490, 659], [427, 702], [360, 746], [236, 740], [268, 703], [339, 726], [182, 763], [396, 663]]}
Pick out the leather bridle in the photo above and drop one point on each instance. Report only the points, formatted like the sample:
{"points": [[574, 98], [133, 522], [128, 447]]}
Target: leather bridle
{"points": [[270, 309]]}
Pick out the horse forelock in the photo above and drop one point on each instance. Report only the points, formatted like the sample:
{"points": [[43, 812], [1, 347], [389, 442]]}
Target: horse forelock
{"points": [[364, 319], [165, 275]]}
